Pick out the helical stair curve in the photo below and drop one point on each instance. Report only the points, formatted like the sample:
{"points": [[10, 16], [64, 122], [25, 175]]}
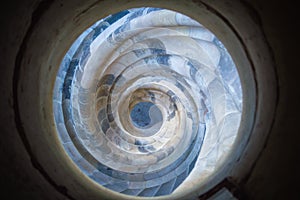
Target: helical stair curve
{"points": [[144, 98]]}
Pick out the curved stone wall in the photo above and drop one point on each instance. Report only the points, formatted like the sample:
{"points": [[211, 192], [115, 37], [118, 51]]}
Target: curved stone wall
{"points": [[37, 162], [165, 65]]}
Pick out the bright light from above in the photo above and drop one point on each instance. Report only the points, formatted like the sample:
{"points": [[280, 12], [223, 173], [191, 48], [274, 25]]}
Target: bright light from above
{"points": [[147, 101]]}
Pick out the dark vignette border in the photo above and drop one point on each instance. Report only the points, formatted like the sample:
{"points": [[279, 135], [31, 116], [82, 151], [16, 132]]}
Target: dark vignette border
{"points": [[227, 182]]}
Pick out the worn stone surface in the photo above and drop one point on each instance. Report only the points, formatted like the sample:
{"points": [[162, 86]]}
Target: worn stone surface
{"points": [[275, 175], [19, 178], [148, 58]]}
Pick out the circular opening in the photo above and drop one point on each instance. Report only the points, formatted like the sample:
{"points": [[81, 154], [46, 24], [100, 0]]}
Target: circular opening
{"points": [[145, 115], [149, 101]]}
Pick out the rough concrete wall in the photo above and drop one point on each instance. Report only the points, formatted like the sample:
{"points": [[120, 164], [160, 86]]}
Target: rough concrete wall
{"points": [[19, 179], [276, 173], [274, 176]]}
